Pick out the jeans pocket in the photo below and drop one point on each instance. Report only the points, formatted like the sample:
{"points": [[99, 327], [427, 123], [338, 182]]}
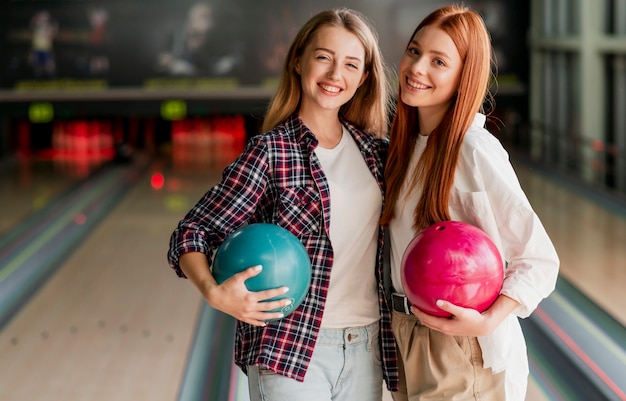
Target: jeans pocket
{"points": [[374, 348]]}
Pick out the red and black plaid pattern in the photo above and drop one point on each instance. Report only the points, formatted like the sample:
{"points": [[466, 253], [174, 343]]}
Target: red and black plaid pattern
{"points": [[278, 179]]}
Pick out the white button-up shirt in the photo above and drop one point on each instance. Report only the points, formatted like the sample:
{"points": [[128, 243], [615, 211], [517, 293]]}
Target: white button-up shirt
{"points": [[486, 193]]}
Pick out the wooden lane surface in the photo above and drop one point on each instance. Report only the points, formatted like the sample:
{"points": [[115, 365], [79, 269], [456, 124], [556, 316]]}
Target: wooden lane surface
{"points": [[28, 186], [589, 238], [114, 323]]}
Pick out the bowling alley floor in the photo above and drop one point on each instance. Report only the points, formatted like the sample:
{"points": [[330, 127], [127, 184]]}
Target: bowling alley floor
{"points": [[114, 323], [589, 233], [29, 185]]}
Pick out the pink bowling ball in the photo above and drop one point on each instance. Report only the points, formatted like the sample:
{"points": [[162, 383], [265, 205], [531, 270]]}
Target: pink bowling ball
{"points": [[453, 261]]}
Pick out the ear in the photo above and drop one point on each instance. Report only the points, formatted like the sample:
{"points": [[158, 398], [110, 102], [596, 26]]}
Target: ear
{"points": [[297, 65], [364, 77]]}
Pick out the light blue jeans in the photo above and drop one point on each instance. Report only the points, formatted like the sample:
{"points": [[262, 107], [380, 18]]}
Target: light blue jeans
{"points": [[346, 366]]}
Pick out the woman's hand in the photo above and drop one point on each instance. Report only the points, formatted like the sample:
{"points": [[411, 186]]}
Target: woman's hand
{"points": [[463, 322], [466, 321], [232, 297]]}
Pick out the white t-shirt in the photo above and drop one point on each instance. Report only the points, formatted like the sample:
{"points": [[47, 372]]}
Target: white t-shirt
{"points": [[355, 205], [401, 230]]}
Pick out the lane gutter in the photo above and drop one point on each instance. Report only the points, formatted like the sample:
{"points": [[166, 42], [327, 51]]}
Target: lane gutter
{"points": [[32, 252]]}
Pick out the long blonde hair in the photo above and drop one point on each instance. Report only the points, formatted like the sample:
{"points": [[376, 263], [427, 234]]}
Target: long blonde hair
{"points": [[437, 166], [369, 108]]}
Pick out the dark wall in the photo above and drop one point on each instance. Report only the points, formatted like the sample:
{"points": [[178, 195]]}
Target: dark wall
{"points": [[124, 58], [213, 45]]}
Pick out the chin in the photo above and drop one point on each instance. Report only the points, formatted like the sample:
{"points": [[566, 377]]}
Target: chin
{"points": [[409, 100]]}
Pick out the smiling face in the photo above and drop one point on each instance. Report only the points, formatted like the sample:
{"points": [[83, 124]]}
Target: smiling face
{"points": [[430, 71], [331, 69]]}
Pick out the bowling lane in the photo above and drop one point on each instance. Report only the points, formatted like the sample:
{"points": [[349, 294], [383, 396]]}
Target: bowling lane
{"points": [[113, 322], [588, 234], [28, 185]]}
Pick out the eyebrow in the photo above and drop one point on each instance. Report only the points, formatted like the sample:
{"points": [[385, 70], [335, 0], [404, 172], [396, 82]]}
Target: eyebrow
{"points": [[442, 54], [333, 52]]}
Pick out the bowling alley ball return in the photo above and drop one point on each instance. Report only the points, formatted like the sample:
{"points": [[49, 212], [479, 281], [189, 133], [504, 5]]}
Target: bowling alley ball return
{"points": [[452, 261]]}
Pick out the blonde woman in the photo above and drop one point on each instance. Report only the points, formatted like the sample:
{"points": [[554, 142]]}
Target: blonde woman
{"points": [[318, 172]]}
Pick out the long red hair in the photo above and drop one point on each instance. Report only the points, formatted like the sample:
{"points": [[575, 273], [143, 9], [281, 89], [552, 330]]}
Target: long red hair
{"points": [[436, 168]]}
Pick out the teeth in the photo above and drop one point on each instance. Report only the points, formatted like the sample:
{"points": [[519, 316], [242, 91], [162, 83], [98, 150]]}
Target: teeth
{"points": [[333, 89], [416, 85]]}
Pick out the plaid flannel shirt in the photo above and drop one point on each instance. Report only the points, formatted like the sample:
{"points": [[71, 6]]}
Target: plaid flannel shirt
{"points": [[278, 179]]}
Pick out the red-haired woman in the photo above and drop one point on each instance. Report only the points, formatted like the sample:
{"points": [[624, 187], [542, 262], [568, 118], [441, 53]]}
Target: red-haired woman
{"points": [[444, 165]]}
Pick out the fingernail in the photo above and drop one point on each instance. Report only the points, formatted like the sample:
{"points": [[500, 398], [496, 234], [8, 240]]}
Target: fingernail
{"points": [[286, 290], [258, 267], [288, 302]]}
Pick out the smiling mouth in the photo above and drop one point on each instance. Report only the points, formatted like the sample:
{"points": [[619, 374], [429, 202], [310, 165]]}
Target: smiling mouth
{"points": [[416, 85], [328, 88]]}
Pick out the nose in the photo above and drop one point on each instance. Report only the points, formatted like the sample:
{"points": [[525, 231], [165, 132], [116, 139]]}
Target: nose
{"points": [[334, 72], [419, 65]]}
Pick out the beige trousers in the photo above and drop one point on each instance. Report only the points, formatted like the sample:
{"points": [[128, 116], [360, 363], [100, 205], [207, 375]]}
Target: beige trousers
{"points": [[435, 366]]}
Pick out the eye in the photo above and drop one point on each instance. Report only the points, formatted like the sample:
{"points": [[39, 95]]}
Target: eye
{"points": [[322, 57], [439, 62], [353, 66], [414, 51]]}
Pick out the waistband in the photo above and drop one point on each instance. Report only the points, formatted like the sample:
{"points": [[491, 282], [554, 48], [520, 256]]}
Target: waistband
{"points": [[350, 335]]}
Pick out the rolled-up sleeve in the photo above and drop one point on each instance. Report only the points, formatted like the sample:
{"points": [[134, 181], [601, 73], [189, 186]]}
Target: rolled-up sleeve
{"points": [[533, 263]]}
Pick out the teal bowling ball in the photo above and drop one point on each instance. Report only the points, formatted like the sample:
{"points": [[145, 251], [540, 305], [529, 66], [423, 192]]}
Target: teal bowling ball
{"points": [[284, 259]]}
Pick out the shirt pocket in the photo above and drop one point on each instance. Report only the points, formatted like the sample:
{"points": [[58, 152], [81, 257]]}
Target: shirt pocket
{"points": [[470, 207], [475, 208], [300, 209]]}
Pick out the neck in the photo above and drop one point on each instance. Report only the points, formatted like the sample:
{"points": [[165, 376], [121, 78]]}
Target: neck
{"points": [[429, 120], [328, 131]]}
